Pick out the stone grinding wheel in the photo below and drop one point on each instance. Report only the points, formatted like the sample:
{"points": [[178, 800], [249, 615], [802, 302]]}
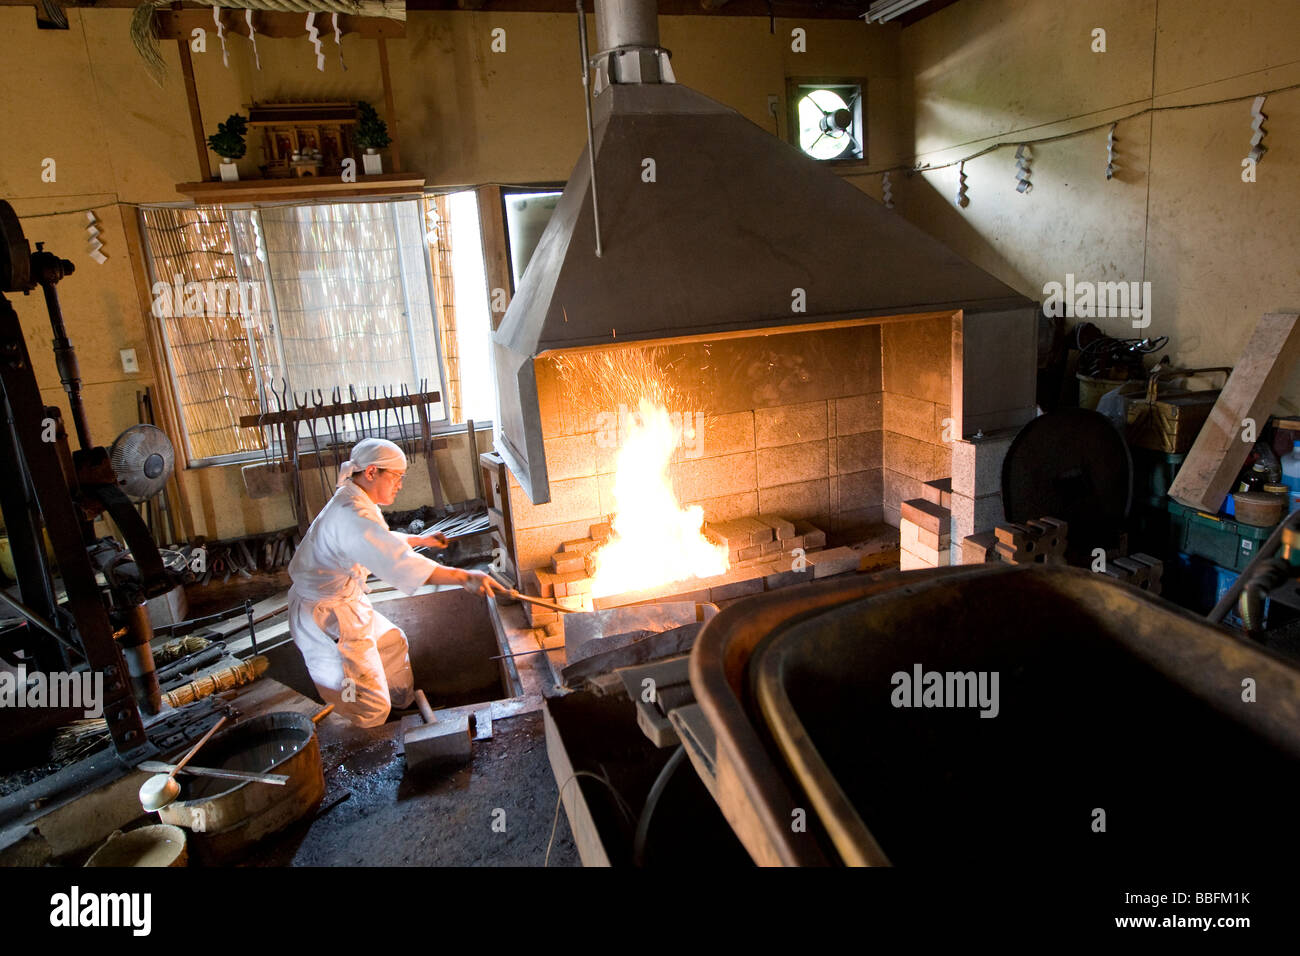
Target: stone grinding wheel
{"points": [[1074, 465]]}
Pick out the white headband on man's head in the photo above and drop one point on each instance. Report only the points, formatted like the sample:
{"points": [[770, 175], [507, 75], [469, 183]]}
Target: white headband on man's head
{"points": [[372, 451]]}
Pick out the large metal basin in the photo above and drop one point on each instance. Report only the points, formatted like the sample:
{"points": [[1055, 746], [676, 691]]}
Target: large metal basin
{"points": [[1108, 700]]}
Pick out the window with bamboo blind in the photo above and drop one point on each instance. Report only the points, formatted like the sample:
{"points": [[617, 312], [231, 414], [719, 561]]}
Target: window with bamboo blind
{"points": [[282, 303]]}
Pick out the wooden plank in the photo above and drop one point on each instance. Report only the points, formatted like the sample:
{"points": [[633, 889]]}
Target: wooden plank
{"points": [[1219, 452], [591, 850], [178, 24], [496, 259], [309, 187], [394, 151]]}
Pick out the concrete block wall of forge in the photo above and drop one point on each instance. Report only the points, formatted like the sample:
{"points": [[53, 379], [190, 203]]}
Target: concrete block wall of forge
{"points": [[794, 428], [835, 426]]}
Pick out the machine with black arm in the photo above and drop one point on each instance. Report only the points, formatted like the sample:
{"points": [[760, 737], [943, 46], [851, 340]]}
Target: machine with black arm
{"points": [[51, 490]]}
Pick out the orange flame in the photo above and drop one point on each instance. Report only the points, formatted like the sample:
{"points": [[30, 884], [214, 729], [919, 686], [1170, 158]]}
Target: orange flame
{"points": [[654, 539]]}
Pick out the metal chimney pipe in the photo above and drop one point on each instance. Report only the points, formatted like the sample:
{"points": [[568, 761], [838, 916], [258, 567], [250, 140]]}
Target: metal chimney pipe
{"points": [[627, 23]]}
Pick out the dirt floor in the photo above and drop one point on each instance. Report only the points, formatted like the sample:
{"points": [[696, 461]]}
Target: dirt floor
{"points": [[495, 811]]}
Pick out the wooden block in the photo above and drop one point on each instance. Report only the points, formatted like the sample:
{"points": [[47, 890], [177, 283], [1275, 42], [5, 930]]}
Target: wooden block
{"points": [[927, 515], [567, 561], [781, 528], [1206, 476], [834, 561]]}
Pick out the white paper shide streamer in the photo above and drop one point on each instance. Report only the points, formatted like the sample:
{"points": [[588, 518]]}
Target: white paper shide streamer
{"points": [[1257, 117], [313, 34], [962, 199], [887, 191], [93, 245], [338, 40], [252, 36], [221, 35], [1024, 156], [1110, 152]]}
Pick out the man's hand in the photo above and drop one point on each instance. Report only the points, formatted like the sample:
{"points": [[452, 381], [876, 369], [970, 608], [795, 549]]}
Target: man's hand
{"points": [[432, 540], [476, 582]]}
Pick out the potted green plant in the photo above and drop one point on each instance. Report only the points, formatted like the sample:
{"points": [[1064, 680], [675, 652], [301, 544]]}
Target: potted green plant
{"points": [[228, 143], [372, 136]]}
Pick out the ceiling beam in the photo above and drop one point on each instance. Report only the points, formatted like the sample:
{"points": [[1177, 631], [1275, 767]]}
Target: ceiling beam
{"points": [[178, 24], [783, 9]]}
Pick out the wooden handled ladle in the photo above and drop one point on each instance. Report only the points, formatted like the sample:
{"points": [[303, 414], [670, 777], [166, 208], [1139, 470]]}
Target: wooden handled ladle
{"points": [[161, 789]]}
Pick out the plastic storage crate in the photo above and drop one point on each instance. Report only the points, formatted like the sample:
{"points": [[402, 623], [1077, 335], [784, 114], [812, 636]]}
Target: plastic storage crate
{"points": [[1228, 543]]}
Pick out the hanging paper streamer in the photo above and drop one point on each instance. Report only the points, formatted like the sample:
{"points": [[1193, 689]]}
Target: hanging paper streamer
{"points": [[93, 244], [1024, 156], [259, 245], [1257, 147], [962, 199], [314, 35], [1110, 152], [887, 192], [221, 35], [338, 40], [432, 221], [252, 35]]}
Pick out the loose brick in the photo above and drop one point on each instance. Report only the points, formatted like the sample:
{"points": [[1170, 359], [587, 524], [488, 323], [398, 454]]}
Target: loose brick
{"points": [[568, 561], [760, 532], [579, 545], [781, 528], [734, 589], [539, 616], [753, 551], [530, 583], [813, 537], [933, 557], [571, 583], [1018, 536], [771, 547], [907, 561], [938, 492], [834, 561], [927, 515], [599, 532], [909, 534], [729, 533], [978, 548], [574, 602]]}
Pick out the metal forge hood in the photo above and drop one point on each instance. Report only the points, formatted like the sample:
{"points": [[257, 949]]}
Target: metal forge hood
{"points": [[709, 225]]}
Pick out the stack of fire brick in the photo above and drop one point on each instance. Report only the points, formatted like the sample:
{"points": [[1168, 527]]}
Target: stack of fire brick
{"points": [[764, 552], [1044, 542], [925, 527]]}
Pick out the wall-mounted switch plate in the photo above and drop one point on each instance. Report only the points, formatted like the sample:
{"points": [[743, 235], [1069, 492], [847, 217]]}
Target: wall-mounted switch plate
{"points": [[129, 363]]}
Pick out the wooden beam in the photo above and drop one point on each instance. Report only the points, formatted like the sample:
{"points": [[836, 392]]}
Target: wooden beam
{"points": [[306, 187], [496, 262], [1221, 448], [394, 151], [196, 117], [178, 24], [782, 9]]}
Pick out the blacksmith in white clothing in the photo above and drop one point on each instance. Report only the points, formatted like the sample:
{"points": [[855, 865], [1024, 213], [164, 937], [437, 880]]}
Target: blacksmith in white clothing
{"points": [[358, 658]]}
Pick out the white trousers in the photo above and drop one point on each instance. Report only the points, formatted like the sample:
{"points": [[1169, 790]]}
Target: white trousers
{"points": [[367, 672]]}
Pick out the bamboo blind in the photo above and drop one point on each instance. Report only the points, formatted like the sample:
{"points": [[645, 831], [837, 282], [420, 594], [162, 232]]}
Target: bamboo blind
{"points": [[343, 300], [444, 285]]}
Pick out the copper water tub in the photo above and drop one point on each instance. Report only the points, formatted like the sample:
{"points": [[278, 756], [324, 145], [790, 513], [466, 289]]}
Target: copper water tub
{"points": [[1109, 699]]}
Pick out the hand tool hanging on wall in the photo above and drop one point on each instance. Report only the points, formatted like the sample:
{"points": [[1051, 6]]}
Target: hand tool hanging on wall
{"points": [[315, 445]]}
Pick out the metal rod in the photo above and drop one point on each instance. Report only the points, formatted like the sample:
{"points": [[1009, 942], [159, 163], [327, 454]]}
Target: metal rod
{"points": [[1265, 553], [586, 101], [39, 621]]}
